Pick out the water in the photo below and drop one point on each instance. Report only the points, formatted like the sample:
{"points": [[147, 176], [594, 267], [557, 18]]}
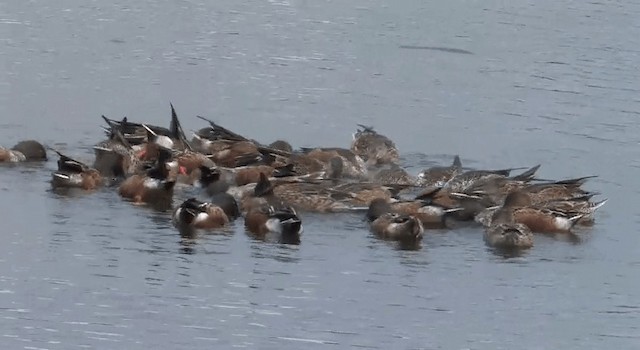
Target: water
{"points": [[502, 84]]}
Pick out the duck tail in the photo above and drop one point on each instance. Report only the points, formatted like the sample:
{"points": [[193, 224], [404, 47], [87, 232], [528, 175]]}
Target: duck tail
{"points": [[595, 206], [357, 209], [284, 171], [365, 128], [456, 162], [66, 163], [224, 132], [574, 219], [579, 181], [528, 174], [115, 131], [176, 129], [460, 195]]}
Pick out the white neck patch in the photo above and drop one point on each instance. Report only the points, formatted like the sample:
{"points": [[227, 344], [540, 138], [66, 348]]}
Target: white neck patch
{"points": [[274, 225], [151, 183], [164, 141]]}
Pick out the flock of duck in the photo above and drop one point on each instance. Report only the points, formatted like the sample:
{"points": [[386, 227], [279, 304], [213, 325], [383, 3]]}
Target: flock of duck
{"points": [[269, 185]]}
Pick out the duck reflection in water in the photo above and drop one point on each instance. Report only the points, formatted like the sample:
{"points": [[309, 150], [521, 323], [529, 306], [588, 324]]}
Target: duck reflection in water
{"points": [[286, 253]]}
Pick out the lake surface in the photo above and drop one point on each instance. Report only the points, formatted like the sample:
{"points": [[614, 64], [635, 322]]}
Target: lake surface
{"points": [[501, 83]]}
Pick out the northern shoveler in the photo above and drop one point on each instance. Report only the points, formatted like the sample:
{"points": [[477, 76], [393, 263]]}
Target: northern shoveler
{"points": [[194, 214], [155, 186], [373, 147], [508, 236], [74, 174], [281, 224], [389, 225], [439, 175], [517, 208]]}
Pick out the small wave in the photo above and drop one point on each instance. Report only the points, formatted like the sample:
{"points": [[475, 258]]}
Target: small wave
{"points": [[437, 48]]}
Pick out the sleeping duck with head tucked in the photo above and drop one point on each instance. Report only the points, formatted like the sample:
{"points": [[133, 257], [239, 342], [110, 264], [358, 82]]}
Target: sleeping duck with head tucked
{"points": [[194, 214], [23, 151]]}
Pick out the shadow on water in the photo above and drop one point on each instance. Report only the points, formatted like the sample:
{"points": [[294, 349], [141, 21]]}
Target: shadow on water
{"points": [[275, 238], [161, 206], [69, 192], [408, 245], [190, 238], [567, 237], [187, 245], [508, 253]]}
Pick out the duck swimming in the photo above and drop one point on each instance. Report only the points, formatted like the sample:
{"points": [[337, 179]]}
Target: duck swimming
{"points": [[234, 176], [74, 174], [281, 224]]}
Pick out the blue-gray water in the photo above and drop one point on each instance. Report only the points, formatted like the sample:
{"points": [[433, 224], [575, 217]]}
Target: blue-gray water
{"points": [[502, 83]]}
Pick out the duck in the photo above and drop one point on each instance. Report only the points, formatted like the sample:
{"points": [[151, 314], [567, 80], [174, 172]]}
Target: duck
{"points": [[279, 223], [230, 149], [495, 188], [23, 151], [363, 193], [303, 164], [138, 133], [116, 157], [194, 214], [225, 147], [431, 216], [517, 208], [220, 179], [228, 204], [155, 185], [576, 206], [465, 208], [187, 159], [226, 153], [386, 224], [281, 145], [75, 174], [316, 197], [439, 175], [374, 148], [508, 236], [155, 141], [345, 163], [567, 189], [392, 174], [461, 191], [567, 207], [465, 182]]}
